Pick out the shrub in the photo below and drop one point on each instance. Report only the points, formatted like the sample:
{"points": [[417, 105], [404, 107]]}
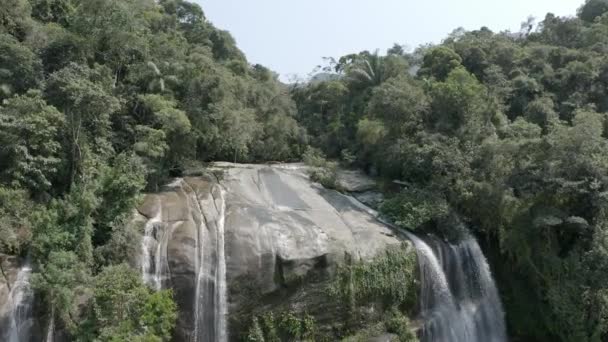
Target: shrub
{"points": [[414, 207]]}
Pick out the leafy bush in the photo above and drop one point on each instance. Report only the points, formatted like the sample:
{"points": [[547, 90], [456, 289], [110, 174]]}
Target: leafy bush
{"points": [[414, 207], [289, 327], [321, 170], [398, 324], [15, 229], [124, 309], [389, 278]]}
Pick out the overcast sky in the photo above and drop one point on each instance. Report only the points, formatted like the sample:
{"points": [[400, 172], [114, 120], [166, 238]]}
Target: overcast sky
{"points": [[291, 36]]}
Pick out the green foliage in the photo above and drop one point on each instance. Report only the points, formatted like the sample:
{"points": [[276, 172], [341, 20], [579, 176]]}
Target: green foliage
{"points": [[29, 134], [15, 18], [388, 278], [320, 169], [398, 323], [101, 98], [413, 208], [370, 132], [57, 11], [123, 308], [15, 230], [64, 280], [20, 67], [457, 102], [370, 69], [400, 103], [255, 333], [593, 9], [439, 62], [506, 133], [288, 327]]}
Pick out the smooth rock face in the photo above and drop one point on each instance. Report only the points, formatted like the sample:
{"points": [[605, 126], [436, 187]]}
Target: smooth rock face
{"points": [[9, 268], [278, 221], [180, 252], [246, 233]]}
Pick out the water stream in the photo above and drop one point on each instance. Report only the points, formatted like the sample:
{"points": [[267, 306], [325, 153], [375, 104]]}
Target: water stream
{"points": [[458, 299], [211, 305], [21, 299], [150, 255]]}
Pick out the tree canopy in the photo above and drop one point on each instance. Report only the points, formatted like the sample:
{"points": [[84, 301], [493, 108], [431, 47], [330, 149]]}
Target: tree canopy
{"points": [[505, 132]]}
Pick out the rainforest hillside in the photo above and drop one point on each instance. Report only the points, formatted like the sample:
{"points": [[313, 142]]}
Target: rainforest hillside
{"points": [[102, 100], [505, 133]]}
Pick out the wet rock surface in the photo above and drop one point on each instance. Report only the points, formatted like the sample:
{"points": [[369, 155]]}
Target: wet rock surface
{"points": [[9, 268], [283, 236]]}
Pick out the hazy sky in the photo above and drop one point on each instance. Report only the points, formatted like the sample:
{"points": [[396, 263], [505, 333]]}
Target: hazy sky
{"points": [[291, 36]]}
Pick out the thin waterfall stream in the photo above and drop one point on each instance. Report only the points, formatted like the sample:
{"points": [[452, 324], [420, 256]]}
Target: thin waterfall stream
{"points": [[50, 332], [149, 250], [211, 305], [21, 299], [222, 308]]}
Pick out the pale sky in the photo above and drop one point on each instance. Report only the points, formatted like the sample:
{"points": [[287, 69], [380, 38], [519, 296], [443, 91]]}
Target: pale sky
{"points": [[291, 36]]}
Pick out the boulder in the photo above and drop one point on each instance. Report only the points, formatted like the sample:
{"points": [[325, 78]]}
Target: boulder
{"points": [[283, 236]]}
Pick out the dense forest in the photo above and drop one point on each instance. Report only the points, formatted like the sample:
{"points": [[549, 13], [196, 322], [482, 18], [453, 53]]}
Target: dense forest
{"points": [[102, 99], [504, 133]]}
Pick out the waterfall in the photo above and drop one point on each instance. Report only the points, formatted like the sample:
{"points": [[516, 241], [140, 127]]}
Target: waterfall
{"points": [[211, 304], [20, 300], [221, 308], [150, 267], [207, 211], [458, 298], [50, 332]]}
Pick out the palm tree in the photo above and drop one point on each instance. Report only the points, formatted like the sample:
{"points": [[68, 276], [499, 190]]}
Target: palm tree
{"points": [[368, 69]]}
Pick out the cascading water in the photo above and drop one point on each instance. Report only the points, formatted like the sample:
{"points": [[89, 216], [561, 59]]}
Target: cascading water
{"points": [[207, 211], [211, 306], [459, 300], [20, 300], [150, 263], [221, 308], [50, 332]]}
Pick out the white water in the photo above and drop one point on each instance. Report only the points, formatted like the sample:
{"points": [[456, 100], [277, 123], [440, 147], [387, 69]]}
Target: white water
{"points": [[150, 269], [50, 332], [220, 281], [459, 300], [209, 314], [211, 303], [21, 299]]}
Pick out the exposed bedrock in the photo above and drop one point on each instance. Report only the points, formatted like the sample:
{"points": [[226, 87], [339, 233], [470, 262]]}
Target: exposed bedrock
{"points": [[245, 237]]}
